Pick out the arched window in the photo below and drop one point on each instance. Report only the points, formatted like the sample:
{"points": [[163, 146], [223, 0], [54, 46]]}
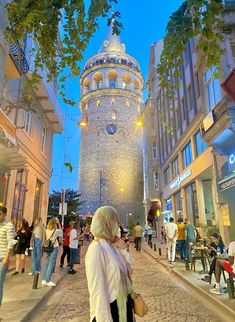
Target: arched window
{"points": [[114, 115], [98, 81], [137, 85], [112, 77], [126, 79], [87, 85]]}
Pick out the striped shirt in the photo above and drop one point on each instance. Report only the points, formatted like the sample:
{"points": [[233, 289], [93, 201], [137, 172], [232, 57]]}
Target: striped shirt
{"points": [[6, 238]]}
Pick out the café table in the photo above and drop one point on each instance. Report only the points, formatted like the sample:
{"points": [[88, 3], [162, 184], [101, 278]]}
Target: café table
{"points": [[203, 250]]}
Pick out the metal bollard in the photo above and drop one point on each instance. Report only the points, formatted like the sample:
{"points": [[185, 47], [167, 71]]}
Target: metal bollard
{"points": [[35, 281], [151, 244], [154, 247], [160, 251]]}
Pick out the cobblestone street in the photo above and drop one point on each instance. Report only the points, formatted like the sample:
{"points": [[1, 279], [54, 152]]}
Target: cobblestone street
{"points": [[167, 299]]}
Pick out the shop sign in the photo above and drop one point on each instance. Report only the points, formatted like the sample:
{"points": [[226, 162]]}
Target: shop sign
{"points": [[180, 178], [225, 215], [226, 183]]}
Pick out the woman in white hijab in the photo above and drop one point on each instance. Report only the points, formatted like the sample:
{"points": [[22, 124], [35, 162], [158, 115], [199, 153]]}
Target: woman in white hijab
{"points": [[108, 269]]}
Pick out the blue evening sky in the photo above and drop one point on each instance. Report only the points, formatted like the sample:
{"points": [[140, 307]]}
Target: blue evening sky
{"points": [[144, 23]]}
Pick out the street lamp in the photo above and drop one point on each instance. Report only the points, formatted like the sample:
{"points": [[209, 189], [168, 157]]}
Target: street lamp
{"points": [[130, 214], [84, 121], [139, 122]]}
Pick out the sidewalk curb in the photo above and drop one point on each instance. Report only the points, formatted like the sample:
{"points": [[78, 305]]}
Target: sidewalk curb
{"points": [[29, 315], [197, 289]]}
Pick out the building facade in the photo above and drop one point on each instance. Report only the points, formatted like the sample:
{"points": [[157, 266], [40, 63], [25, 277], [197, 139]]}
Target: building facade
{"points": [[27, 127], [190, 163], [111, 167]]}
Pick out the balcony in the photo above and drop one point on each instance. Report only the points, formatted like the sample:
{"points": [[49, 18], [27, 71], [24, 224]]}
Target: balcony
{"points": [[47, 95], [218, 127]]}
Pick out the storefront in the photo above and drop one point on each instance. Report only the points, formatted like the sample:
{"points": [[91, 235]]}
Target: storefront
{"points": [[191, 193]]}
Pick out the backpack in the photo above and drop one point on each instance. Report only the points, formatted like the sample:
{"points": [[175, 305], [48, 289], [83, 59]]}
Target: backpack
{"points": [[48, 246]]}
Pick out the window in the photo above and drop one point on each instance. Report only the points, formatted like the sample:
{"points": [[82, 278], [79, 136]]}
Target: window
{"points": [[187, 155], [155, 181], [37, 198], [233, 48], [197, 85], [112, 83], [191, 203], [19, 196], [178, 204], [98, 103], [99, 84], [175, 167], [212, 88], [124, 84], [43, 139], [183, 109], [200, 143], [28, 122], [167, 175], [154, 150], [152, 120], [190, 97], [114, 115]]}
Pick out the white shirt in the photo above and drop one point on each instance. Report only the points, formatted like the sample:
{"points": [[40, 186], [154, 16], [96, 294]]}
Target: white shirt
{"points": [[57, 233], [103, 278], [171, 228], [73, 243], [38, 231], [6, 238], [231, 252]]}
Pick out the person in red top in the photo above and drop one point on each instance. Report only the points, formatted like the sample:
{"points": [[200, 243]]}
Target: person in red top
{"points": [[66, 249]]}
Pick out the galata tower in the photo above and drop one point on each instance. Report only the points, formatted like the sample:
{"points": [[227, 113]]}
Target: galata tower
{"points": [[111, 165]]}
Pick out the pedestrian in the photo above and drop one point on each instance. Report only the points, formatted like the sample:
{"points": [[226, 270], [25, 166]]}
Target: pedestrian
{"points": [[190, 239], [37, 240], [215, 247], [53, 234], [66, 249], [73, 245], [138, 234], [181, 239], [163, 234], [171, 235], [108, 270], [6, 245], [87, 235], [228, 266], [150, 233], [23, 237]]}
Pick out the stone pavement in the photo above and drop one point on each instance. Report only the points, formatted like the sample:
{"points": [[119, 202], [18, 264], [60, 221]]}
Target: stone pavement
{"points": [[167, 299]]}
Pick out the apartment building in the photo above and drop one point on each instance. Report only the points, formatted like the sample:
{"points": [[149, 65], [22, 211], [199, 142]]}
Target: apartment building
{"points": [[190, 161], [27, 127]]}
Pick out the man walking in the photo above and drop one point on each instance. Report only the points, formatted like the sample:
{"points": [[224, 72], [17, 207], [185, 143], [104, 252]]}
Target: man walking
{"points": [[171, 235], [138, 234], [6, 245], [190, 239], [181, 238]]}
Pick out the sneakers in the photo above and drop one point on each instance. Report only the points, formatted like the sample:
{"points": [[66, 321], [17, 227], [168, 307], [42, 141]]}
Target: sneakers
{"points": [[50, 284], [72, 271], [30, 274], [43, 282], [215, 290]]}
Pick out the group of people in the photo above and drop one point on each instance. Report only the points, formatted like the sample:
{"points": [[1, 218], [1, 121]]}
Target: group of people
{"points": [[186, 235], [183, 232], [37, 239]]}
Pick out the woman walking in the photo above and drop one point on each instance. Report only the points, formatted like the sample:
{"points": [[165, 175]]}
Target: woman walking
{"points": [[108, 270], [73, 245], [53, 234], [23, 237], [38, 236]]}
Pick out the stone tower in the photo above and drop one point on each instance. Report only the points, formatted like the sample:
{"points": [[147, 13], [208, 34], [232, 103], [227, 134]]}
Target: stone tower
{"points": [[111, 144]]}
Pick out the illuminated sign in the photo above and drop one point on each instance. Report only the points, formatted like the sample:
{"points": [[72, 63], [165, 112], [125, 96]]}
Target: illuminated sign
{"points": [[232, 159], [227, 183], [177, 182]]}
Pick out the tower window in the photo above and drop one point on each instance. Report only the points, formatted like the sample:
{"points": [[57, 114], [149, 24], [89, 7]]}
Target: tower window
{"points": [[127, 103], [112, 83], [98, 81], [126, 80], [113, 101], [98, 103], [114, 115]]}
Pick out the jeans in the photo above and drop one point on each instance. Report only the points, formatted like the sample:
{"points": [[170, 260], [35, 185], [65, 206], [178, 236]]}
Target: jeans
{"points": [[188, 252], [73, 254], [3, 272], [36, 255], [212, 266], [182, 248], [138, 243], [66, 252], [50, 264], [171, 244]]}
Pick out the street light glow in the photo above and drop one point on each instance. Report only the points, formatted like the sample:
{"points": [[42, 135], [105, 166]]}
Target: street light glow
{"points": [[139, 122]]}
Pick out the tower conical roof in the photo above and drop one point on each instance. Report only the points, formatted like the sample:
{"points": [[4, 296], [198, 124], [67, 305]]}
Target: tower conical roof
{"points": [[112, 42]]}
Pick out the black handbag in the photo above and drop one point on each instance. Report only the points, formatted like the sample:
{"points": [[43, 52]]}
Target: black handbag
{"points": [[48, 246]]}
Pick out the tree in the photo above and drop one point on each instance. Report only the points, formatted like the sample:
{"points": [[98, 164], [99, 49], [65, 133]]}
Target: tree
{"points": [[193, 18], [72, 198], [61, 54]]}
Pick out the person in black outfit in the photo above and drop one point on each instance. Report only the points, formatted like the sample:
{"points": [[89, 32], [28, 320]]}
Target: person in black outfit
{"points": [[23, 237], [212, 249]]}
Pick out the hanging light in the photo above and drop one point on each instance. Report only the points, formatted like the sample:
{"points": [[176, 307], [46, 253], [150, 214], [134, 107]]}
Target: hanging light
{"points": [[83, 122], [139, 122]]}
